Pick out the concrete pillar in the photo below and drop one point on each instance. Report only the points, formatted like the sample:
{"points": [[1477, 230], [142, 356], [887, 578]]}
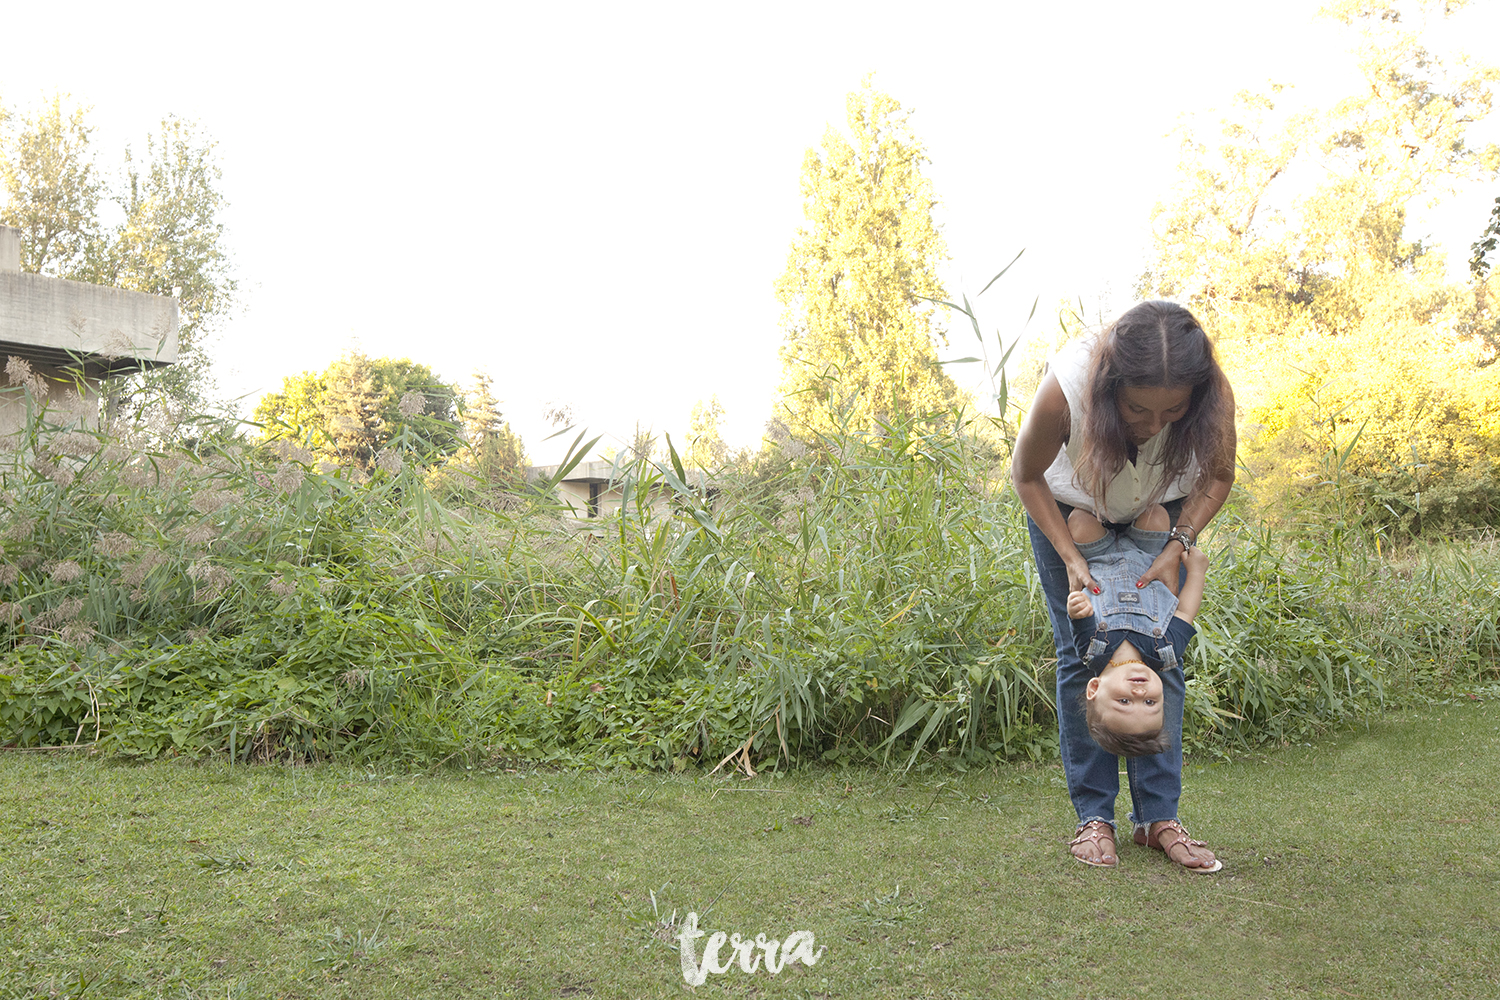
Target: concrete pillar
{"points": [[10, 248]]}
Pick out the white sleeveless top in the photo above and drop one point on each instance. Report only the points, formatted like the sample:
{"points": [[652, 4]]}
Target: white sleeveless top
{"points": [[1134, 488]]}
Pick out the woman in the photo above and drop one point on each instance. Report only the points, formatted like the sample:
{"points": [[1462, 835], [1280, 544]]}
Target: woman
{"points": [[1141, 414]]}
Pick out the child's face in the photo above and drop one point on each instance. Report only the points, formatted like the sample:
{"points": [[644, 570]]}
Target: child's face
{"points": [[1127, 696]]}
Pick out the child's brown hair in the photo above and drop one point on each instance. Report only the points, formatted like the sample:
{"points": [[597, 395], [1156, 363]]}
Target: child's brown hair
{"points": [[1123, 744]]}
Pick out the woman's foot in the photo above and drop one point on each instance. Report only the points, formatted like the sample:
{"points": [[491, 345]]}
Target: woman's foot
{"points": [[1095, 844], [1169, 837]]}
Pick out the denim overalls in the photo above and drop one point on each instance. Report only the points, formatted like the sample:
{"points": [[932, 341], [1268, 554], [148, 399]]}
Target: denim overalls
{"points": [[1123, 611]]}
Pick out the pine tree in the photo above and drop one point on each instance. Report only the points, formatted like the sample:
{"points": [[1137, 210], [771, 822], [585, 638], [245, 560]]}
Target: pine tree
{"points": [[350, 411], [859, 336], [492, 450]]}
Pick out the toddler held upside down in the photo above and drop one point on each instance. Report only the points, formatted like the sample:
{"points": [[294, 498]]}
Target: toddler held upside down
{"points": [[1129, 635]]}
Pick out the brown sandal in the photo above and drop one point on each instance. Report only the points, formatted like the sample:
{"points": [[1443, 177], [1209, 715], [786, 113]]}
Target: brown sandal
{"points": [[1095, 833], [1167, 835]]}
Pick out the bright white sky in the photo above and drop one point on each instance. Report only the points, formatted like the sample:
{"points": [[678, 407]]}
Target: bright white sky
{"points": [[592, 200]]}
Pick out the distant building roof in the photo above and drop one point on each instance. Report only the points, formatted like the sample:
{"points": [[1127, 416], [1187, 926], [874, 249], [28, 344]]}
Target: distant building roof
{"points": [[605, 472]]}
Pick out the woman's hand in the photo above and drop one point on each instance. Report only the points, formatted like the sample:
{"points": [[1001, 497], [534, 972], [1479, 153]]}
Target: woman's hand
{"points": [[1078, 575], [1167, 567]]}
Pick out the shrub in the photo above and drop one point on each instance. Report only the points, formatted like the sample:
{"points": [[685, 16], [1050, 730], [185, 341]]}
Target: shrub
{"points": [[869, 599]]}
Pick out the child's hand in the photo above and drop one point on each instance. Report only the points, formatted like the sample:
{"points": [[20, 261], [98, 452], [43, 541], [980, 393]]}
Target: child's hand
{"points": [[1079, 605], [1191, 598], [1196, 560]]}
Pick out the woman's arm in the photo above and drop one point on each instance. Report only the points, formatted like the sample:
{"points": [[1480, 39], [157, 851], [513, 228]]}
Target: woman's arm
{"points": [[1196, 513], [1043, 433]]}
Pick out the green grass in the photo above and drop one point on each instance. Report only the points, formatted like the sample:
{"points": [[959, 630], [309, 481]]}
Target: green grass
{"points": [[1363, 866]]}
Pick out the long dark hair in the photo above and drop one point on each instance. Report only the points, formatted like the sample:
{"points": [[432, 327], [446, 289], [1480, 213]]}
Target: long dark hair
{"points": [[1155, 345]]}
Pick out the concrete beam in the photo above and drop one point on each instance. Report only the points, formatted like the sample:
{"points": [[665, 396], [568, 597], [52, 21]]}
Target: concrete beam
{"points": [[583, 472], [72, 324]]}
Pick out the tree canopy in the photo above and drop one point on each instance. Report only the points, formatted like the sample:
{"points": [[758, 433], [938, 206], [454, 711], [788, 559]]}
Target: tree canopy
{"points": [[169, 239], [346, 413], [859, 344], [1345, 337]]}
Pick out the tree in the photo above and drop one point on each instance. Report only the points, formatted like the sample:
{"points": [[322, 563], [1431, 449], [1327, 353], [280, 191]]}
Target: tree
{"points": [[295, 413], [645, 444], [859, 331], [170, 240], [52, 190], [171, 243], [1280, 224], [1479, 264], [348, 412], [1287, 235], [492, 451], [706, 447]]}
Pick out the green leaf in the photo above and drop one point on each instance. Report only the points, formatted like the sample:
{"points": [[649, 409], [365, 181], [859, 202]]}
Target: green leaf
{"points": [[997, 277]]}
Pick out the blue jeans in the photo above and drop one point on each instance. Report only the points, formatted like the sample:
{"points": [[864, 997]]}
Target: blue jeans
{"points": [[1094, 775]]}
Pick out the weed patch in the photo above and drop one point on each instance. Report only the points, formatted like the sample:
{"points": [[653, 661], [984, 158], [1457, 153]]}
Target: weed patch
{"points": [[871, 601]]}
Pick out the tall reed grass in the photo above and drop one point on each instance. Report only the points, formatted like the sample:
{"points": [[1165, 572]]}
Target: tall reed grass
{"points": [[183, 590]]}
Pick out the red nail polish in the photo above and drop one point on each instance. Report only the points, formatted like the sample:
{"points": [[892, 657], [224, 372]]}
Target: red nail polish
{"points": [[1139, 583], [1096, 590]]}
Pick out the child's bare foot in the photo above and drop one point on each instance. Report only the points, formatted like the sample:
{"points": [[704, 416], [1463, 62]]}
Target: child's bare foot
{"points": [[1169, 837], [1095, 844]]}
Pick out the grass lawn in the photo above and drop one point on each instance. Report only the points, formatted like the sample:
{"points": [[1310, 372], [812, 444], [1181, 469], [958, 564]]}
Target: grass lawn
{"points": [[1365, 866]]}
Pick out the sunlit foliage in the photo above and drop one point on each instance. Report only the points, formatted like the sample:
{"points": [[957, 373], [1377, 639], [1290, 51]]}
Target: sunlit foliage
{"points": [[1355, 358], [348, 412], [184, 591]]}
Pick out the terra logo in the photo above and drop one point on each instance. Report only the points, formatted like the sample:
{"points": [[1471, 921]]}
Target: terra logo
{"points": [[747, 952]]}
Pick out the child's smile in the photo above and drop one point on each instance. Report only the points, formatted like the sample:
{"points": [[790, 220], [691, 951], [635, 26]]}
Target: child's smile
{"points": [[1129, 693]]}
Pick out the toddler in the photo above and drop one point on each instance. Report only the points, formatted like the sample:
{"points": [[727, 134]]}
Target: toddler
{"points": [[1129, 637]]}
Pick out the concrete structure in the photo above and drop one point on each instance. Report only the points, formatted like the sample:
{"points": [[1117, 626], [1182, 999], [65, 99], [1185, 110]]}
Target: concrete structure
{"points": [[596, 489], [73, 334]]}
